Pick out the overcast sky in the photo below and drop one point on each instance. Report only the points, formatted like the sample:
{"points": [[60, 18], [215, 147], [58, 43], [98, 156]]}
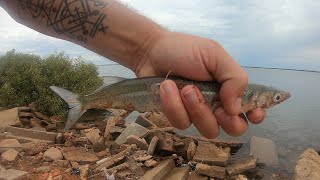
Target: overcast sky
{"points": [[273, 33]]}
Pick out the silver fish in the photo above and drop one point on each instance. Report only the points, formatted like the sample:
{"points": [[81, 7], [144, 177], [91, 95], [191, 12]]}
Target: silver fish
{"points": [[142, 95]]}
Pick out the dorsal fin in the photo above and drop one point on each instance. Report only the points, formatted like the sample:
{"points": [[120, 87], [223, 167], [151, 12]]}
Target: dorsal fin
{"points": [[109, 80]]}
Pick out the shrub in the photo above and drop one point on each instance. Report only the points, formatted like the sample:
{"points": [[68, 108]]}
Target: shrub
{"points": [[26, 78]]}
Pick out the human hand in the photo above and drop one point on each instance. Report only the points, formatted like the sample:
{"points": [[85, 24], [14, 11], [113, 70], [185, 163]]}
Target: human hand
{"points": [[203, 60]]}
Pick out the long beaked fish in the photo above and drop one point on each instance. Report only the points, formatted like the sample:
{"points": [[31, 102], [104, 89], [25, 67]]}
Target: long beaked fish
{"points": [[143, 95]]}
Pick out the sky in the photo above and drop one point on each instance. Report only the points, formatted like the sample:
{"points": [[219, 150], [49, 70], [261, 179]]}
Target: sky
{"points": [[273, 33]]}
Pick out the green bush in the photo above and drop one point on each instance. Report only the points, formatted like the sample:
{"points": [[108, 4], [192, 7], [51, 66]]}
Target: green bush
{"points": [[26, 78]]}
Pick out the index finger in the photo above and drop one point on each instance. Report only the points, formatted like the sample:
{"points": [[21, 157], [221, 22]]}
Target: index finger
{"points": [[228, 72]]}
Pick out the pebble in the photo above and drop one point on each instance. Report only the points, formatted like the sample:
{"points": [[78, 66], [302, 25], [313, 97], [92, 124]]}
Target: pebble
{"points": [[52, 154], [10, 155]]}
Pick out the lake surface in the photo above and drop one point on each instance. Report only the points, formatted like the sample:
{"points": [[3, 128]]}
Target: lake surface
{"points": [[293, 125]]}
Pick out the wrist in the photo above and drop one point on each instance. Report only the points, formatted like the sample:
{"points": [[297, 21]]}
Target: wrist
{"points": [[143, 50]]}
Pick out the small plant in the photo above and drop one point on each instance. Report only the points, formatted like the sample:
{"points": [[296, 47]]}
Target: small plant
{"points": [[26, 78]]}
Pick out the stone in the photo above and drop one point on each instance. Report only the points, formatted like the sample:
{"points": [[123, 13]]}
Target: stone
{"points": [[12, 174], [140, 142], [265, 150], [160, 171], [25, 109], [9, 118], [191, 151], [99, 145], [254, 174], [143, 158], [61, 163], [196, 176], [33, 148], [52, 154], [43, 169], [144, 122], [81, 126], [212, 171], [241, 165], [79, 154], [165, 142], [41, 116], [25, 114], [308, 166], [10, 144], [132, 129], [150, 163], [32, 133], [179, 173], [10, 155], [51, 127], [84, 171], [92, 134], [210, 154], [152, 145], [159, 119]]}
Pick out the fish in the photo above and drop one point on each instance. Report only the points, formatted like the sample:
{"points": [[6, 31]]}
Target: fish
{"points": [[143, 95]]}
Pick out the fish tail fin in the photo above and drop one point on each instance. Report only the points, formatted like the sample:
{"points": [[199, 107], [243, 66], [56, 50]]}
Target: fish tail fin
{"points": [[75, 105]]}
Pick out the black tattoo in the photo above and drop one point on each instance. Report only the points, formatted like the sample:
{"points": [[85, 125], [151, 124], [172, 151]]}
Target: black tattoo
{"points": [[77, 19]]}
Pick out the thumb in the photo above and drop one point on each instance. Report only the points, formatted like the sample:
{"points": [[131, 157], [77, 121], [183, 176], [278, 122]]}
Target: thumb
{"points": [[233, 78]]}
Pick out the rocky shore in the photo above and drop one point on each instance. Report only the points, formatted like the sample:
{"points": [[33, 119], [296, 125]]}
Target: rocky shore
{"points": [[33, 146]]}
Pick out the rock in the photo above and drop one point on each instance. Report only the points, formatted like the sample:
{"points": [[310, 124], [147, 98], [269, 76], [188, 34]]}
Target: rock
{"points": [[159, 119], [123, 173], [41, 116], [152, 145], [212, 171], [143, 158], [191, 151], [165, 142], [196, 176], [7, 144], [265, 150], [9, 118], [144, 122], [132, 129], [12, 174], [25, 109], [140, 142], [79, 154], [241, 165], [93, 135], [99, 145], [10, 155], [84, 171], [160, 171], [33, 148], [254, 174], [210, 154], [81, 126], [179, 173], [51, 127], [32, 133], [52, 154], [111, 122], [43, 169], [308, 166], [25, 114], [61, 163], [150, 163], [103, 153]]}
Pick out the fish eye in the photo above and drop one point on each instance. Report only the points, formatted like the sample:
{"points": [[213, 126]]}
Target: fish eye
{"points": [[277, 97]]}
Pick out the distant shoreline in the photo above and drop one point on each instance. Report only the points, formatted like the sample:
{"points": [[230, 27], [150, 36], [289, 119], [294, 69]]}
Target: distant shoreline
{"points": [[249, 67]]}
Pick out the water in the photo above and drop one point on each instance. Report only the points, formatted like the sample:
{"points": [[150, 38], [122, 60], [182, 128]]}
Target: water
{"points": [[293, 125]]}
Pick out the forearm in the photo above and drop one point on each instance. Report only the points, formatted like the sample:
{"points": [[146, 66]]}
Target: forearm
{"points": [[103, 26]]}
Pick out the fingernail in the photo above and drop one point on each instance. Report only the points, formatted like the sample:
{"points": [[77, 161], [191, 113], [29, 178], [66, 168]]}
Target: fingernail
{"points": [[191, 96], [237, 105], [167, 87]]}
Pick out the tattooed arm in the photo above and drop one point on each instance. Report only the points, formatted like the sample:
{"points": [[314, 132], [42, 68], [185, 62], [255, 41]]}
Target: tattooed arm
{"points": [[114, 31], [104, 26]]}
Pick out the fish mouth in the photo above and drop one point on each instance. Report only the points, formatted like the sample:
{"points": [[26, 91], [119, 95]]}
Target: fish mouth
{"points": [[286, 96]]}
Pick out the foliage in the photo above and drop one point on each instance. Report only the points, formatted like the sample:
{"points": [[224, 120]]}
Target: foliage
{"points": [[26, 78]]}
